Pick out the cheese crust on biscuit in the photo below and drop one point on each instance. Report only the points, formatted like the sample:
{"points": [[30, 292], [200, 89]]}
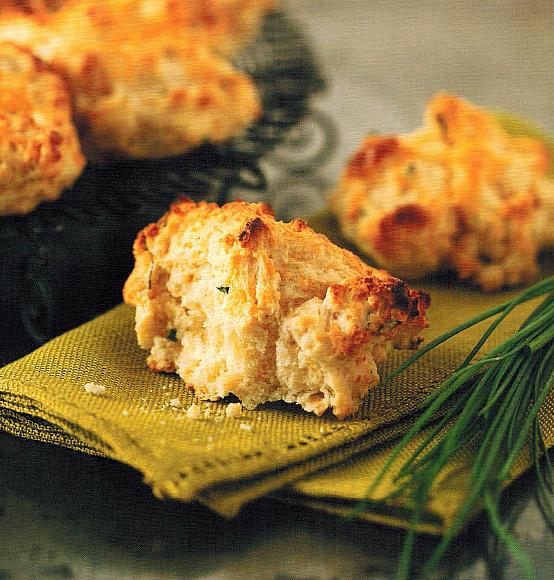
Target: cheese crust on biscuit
{"points": [[458, 194], [224, 25], [139, 89], [39, 149]]}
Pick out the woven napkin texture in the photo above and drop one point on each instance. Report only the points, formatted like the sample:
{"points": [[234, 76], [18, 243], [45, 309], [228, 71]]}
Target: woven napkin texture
{"points": [[219, 460], [342, 489], [42, 396]]}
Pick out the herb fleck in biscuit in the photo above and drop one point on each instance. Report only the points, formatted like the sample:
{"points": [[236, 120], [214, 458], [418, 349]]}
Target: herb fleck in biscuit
{"points": [[236, 302]]}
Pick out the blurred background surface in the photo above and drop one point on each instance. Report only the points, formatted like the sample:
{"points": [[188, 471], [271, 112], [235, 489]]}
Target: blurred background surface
{"points": [[384, 60]]}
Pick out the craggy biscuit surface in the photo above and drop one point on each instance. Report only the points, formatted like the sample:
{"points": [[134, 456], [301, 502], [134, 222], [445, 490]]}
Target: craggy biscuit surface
{"points": [[39, 149], [139, 89], [224, 25], [32, 6], [459, 193], [236, 302]]}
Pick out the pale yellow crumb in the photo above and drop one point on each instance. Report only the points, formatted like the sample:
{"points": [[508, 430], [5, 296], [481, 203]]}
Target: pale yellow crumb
{"points": [[125, 413], [233, 410], [193, 412], [207, 414], [245, 427], [95, 389], [176, 403]]}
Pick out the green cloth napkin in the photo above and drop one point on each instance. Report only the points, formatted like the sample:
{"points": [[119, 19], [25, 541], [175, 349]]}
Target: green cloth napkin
{"points": [[342, 489], [218, 460]]}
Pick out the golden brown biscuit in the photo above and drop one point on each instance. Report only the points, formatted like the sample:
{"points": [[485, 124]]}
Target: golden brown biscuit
{"points": [[459, 193], [236, 302], [224, 25], [138, 89], [39, 149]]}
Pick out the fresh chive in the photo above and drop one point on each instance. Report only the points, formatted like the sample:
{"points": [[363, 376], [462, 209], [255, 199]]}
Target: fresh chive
{"points": [[223, 289], [491, 406]]}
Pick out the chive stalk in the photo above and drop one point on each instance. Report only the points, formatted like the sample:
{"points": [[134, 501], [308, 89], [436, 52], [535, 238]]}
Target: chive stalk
{"points": [[492, 404]]}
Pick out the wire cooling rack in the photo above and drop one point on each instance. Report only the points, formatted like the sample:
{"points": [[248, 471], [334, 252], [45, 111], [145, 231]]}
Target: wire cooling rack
{"points": [[67, 261]]}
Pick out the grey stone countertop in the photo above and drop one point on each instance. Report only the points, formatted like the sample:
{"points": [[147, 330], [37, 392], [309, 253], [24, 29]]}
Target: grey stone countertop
{"points": [[67, 515]]}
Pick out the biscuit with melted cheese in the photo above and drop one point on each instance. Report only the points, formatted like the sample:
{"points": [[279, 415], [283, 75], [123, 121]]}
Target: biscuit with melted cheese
{"points": [[39, 150], [460, 193], [139, 89], [225, 25]]}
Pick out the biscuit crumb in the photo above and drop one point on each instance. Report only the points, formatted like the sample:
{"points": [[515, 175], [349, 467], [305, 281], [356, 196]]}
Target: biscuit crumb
{"points": [[233, 410], [207, 414], [245, 427], [176, 403], [125, 413], [193, 412], [95, 389]]}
